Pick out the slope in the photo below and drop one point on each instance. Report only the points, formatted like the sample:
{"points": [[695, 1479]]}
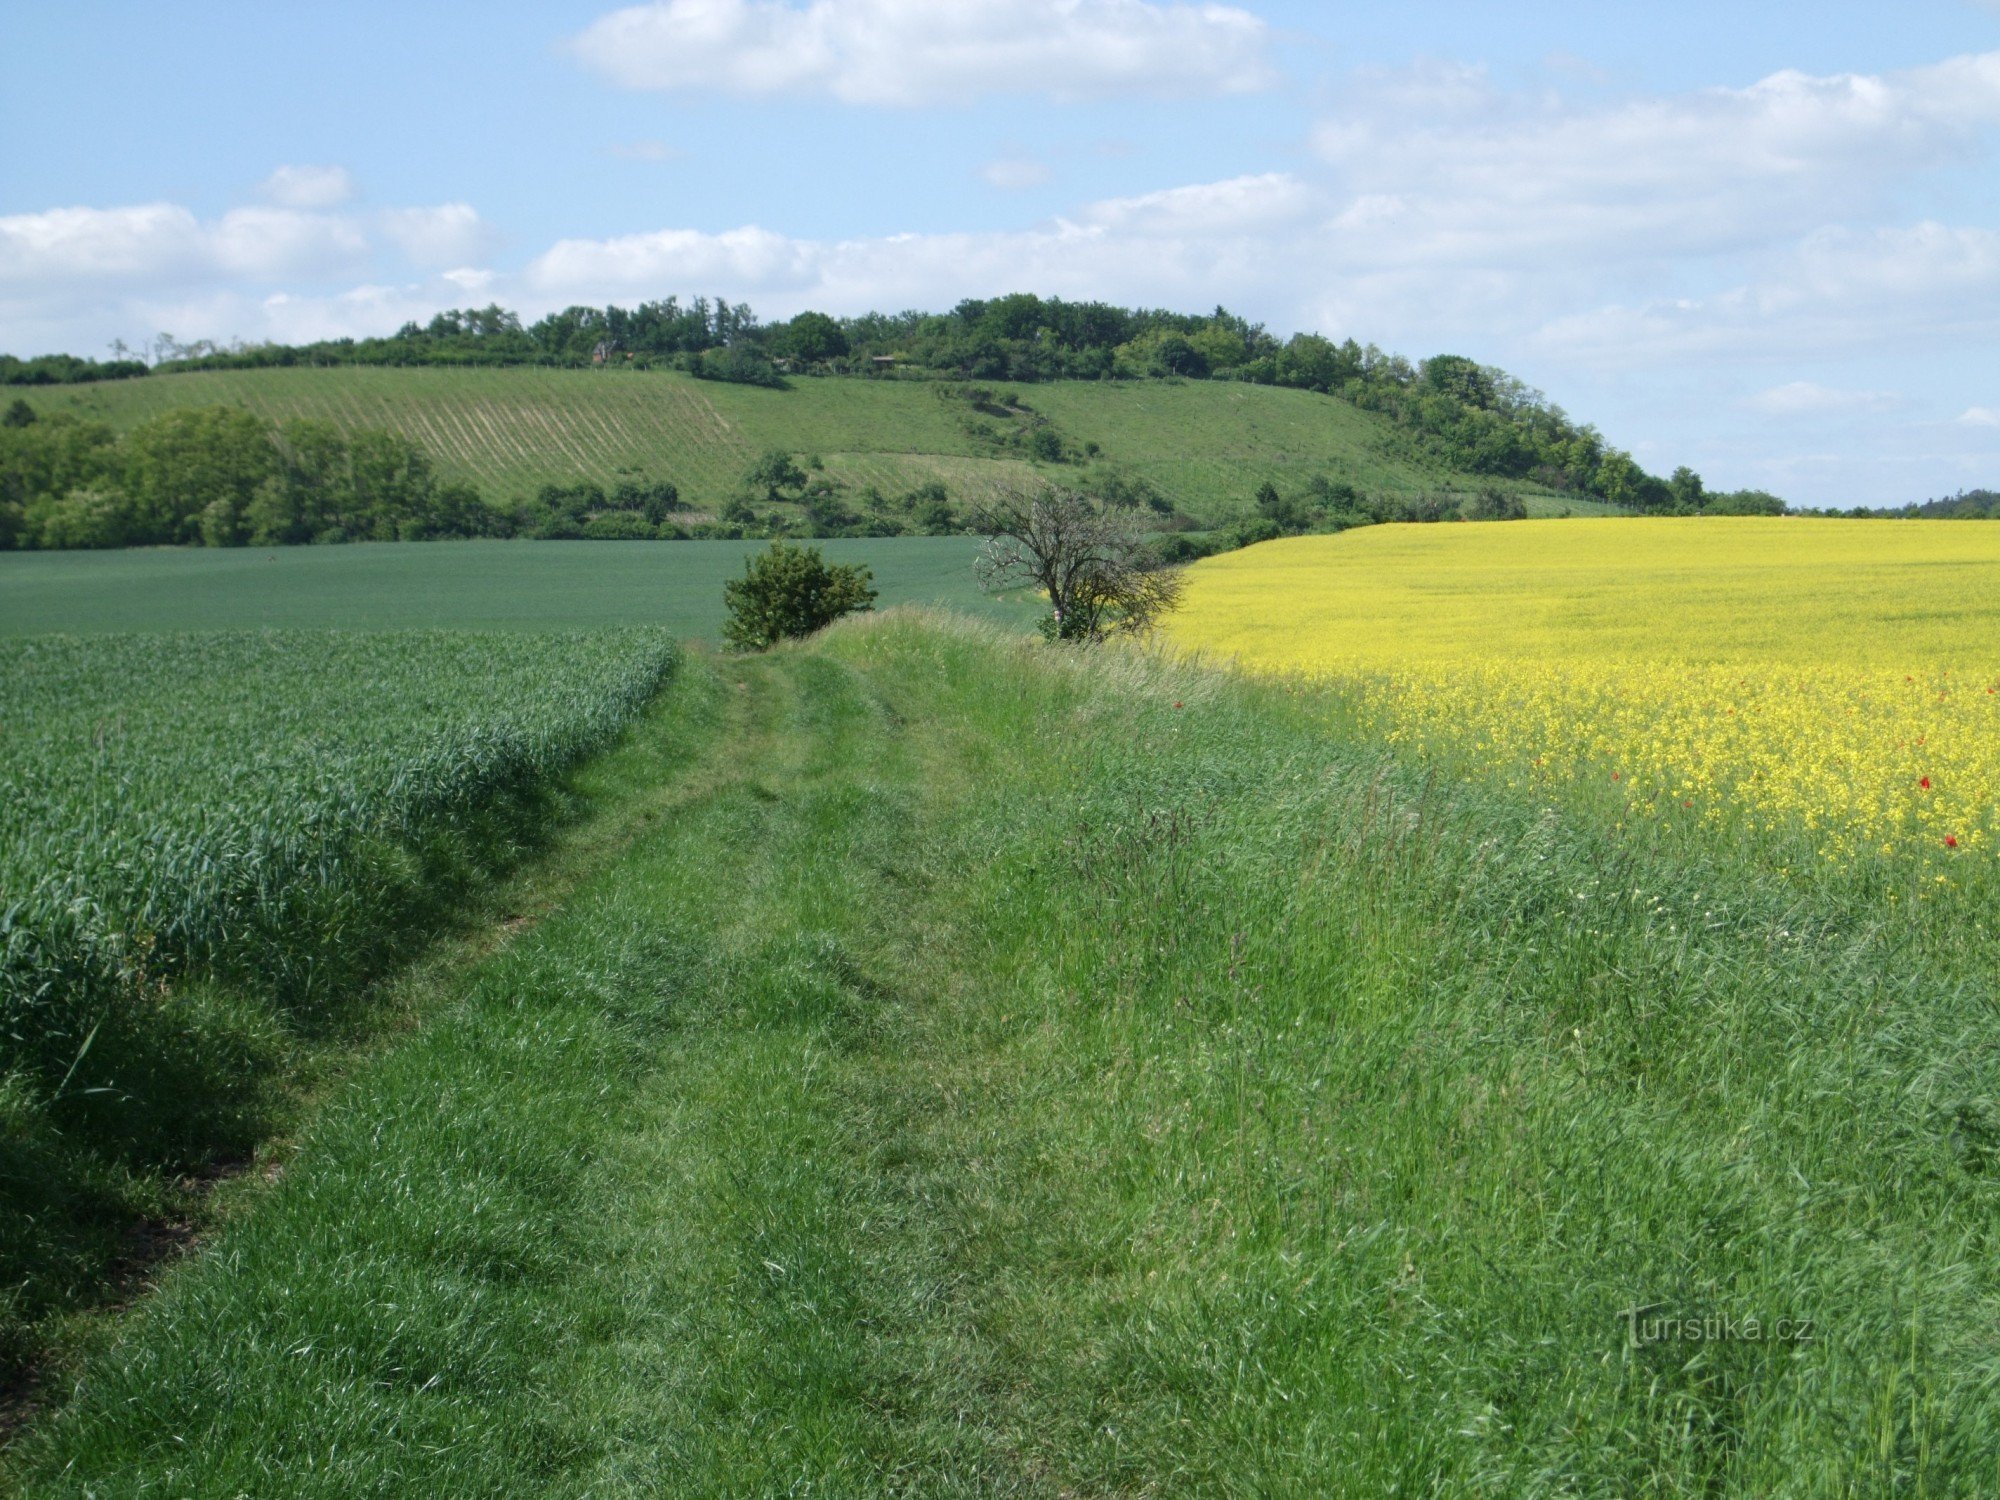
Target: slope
{"points": [[1205, 445]]}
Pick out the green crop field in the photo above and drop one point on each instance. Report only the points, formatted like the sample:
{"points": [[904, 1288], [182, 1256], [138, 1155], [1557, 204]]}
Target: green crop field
{"points": [[1206, 445], [257, 816], [477, 585]]}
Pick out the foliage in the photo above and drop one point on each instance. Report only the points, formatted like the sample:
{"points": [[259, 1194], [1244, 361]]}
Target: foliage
{"points": [[775, 473], [219, 476], [1966, 504], [66, 369], [1090, 561], [738, 364], [789, 592], [1783, 678], [1495, 505]]}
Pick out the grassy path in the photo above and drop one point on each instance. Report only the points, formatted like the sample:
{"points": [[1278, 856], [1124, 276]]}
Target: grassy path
{"points": [[940, 1069]]}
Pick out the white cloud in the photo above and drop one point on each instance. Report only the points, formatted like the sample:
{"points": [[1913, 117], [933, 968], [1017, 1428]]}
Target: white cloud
{"points": [[450, 234], [1013, 174], [1979, 416], [1837, 290], [1497, 175], [1806, 398], [308, 187], [66, 245], [1237, 206], [266, 244], [159, 243], [915, 52]]}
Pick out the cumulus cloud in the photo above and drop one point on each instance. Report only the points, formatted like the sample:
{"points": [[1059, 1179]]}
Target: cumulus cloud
{"points": [[308, 187], [916, 52], [1837, 290], [447, 235], [1498, 174], [1980, 416], [160, 243]]}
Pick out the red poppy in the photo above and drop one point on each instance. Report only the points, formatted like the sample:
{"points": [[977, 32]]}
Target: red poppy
{"points": [[1951, 841], [1614, 775], [1924, 782], [1177, 704]]}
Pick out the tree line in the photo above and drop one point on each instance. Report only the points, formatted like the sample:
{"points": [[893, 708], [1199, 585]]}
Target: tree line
{"points": [[217, 476]]}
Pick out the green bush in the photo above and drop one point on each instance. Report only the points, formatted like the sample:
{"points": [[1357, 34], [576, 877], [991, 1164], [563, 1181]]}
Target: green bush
{"points": [[787, 592], [620, 526]]}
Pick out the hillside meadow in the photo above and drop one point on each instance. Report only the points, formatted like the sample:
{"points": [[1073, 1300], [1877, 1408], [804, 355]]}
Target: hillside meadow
{"points": [[1204, 445]]}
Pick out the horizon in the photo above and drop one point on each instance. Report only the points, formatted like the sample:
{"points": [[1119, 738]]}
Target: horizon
{"points": [[1765, 247]]}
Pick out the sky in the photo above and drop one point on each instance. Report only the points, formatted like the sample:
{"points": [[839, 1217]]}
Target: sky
{"points": [[1759, 239]]}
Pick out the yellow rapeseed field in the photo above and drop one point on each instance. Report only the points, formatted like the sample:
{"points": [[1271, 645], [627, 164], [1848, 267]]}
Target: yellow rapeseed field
{"points": [[1837, 676]]}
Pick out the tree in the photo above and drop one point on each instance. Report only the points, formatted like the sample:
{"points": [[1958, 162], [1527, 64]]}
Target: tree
{"points": [[1282, 511], [813, 337], [1686, 488], [1496, 505], [181, 463], [1094, 564], [787, 592], [18, 414], [774, 473]]}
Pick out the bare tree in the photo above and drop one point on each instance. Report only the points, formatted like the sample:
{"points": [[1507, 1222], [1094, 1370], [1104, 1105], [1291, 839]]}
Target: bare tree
{"points": [[1094, 564]]}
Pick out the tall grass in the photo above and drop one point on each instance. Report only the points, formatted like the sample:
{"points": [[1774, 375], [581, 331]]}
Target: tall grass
{"points": [[205, 841]]}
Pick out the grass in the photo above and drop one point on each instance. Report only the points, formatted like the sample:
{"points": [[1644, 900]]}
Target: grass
{"points": [[459, 585], [1205, 445], [946, 1066], [207, 843]]}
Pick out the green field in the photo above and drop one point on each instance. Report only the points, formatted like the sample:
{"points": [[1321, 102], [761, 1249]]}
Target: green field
{"points": [[464, 585], [208, 842], [1206, 445], [937, 1064]]}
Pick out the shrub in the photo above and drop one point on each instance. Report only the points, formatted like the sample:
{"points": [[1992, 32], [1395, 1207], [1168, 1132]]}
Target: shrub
{"points": [[1496, 505], [787, 592], [620, 526]]}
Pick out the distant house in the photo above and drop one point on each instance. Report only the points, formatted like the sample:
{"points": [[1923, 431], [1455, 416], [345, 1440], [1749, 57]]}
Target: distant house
{"points": [[883, 361], [604, 350]]}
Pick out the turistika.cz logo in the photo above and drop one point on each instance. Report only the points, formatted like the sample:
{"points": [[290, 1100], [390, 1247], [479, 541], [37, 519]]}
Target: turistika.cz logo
{"points": [[1648, 1325]]}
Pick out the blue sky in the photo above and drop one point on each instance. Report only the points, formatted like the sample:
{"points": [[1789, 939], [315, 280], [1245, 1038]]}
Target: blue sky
{"points": [[1763, 240]]}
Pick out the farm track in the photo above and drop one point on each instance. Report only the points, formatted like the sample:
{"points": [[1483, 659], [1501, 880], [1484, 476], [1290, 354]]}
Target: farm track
{"points": [[740, 1081]]}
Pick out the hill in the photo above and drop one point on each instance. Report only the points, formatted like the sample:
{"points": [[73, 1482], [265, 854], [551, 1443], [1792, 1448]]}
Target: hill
{"points": [[1205, 446]]}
